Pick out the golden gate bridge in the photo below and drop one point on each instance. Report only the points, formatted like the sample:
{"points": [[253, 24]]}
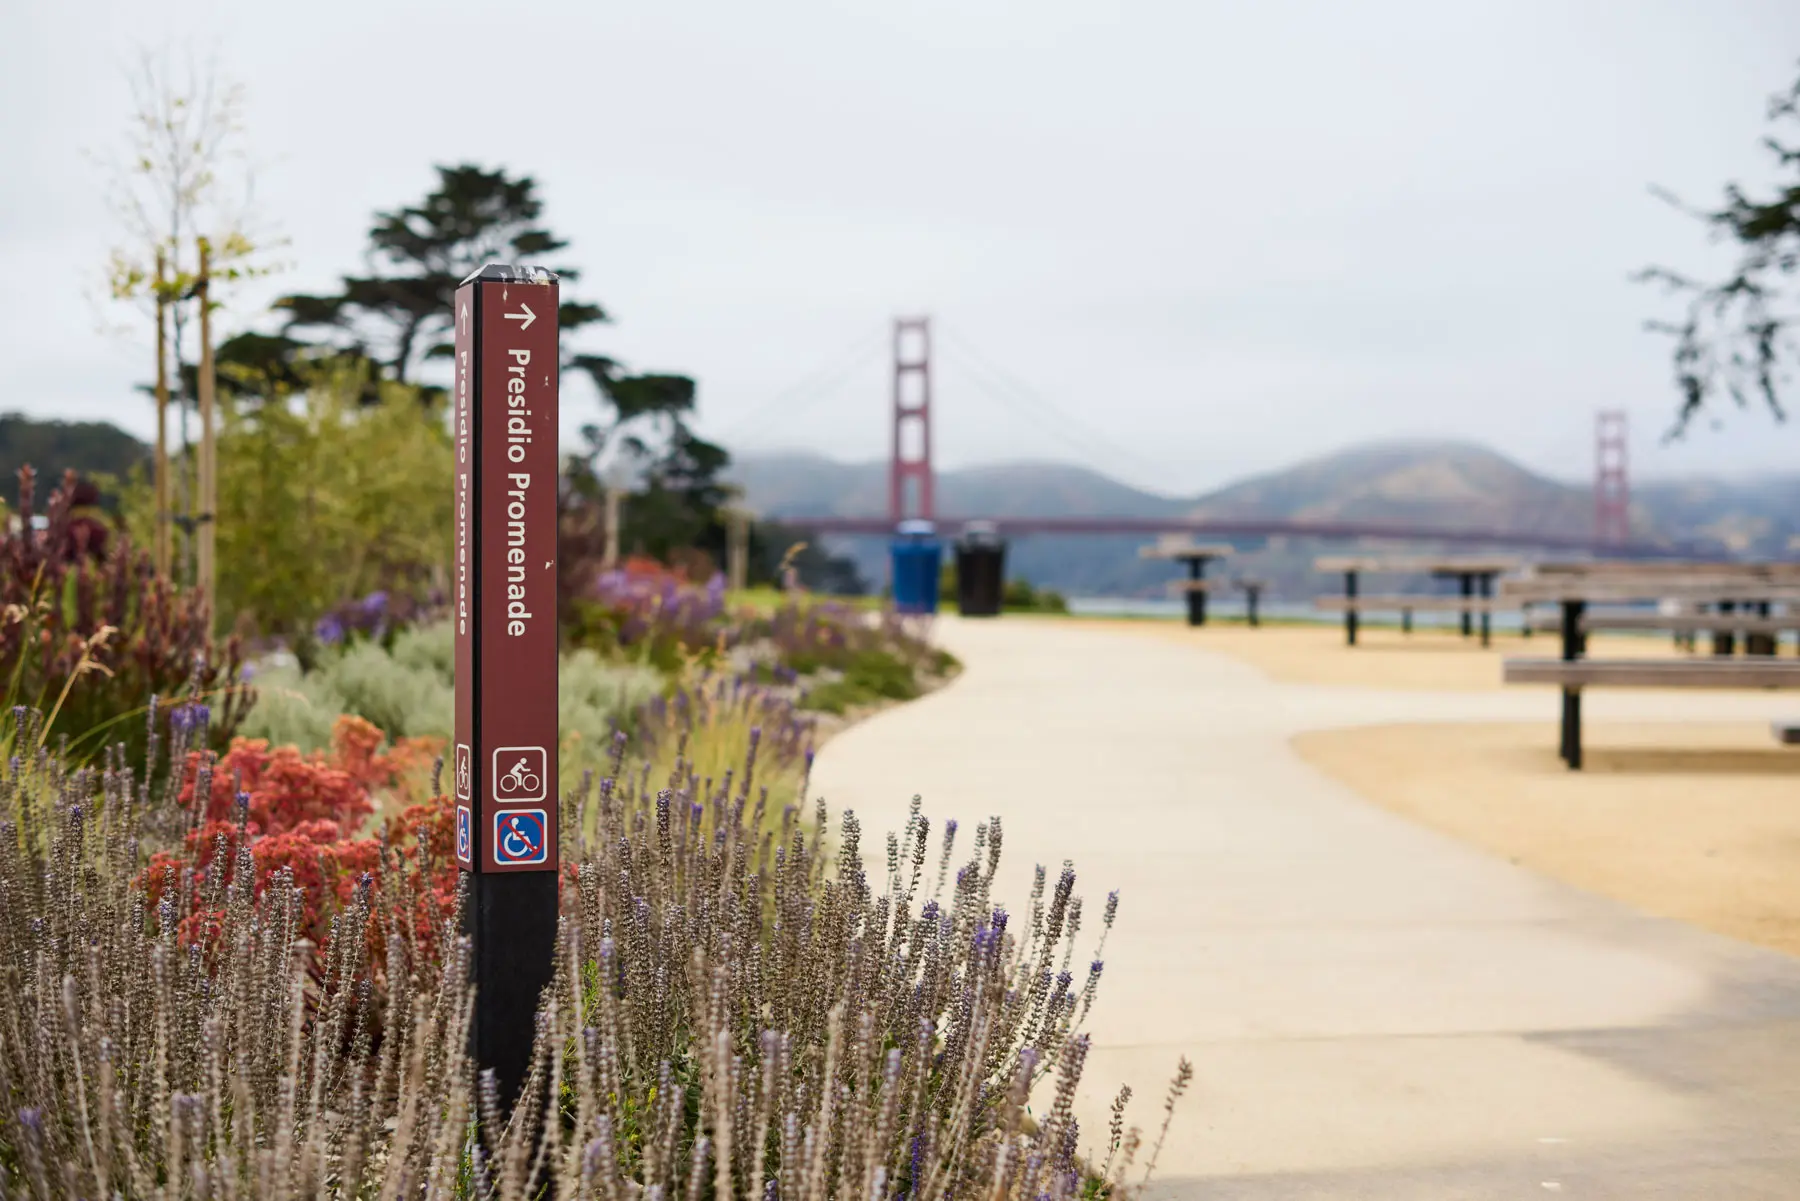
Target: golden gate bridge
{"points": [[912, 491]]}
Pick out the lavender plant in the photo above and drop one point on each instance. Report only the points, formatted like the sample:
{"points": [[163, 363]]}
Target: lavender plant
{"points": [[709, 724], [737, 1010], [654, 616], [380, 617]]}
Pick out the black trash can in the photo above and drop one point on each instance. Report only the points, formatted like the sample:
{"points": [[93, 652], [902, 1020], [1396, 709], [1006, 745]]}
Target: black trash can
{"points": [[980, 570]]}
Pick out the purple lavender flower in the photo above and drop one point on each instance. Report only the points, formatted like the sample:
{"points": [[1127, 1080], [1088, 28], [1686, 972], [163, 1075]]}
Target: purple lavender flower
{"points": [[193, 715], [329, 630]]}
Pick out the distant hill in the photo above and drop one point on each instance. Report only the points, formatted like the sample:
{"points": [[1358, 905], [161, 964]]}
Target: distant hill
{"points": [[1447, 484], [51, 447], [779, 484], [1757, 516]]}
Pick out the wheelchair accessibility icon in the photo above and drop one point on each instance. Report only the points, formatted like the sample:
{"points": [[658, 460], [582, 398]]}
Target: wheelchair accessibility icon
{"points": [[519, 837], [463, 838], [519, 773]]}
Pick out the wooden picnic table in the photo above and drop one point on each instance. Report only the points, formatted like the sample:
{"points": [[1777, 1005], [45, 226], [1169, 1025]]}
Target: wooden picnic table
{"points": [[1573, 586], [1760, 627], [1475, 575], [1196, 555], [1726, 589]]}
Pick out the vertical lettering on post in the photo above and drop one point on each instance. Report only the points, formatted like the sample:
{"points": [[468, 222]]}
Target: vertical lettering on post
{"points": [[504, 761], [462, 759]]}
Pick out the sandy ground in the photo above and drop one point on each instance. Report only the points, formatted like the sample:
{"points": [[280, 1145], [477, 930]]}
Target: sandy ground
{"points": [[1439, 660], [1696, 822]]}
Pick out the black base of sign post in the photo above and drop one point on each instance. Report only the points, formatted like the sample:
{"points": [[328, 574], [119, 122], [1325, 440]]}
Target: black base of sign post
{"points": [[511, 922]]}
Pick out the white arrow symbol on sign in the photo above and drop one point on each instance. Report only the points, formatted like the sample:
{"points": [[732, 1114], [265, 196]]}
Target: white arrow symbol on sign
{"points": [[524, 317], [462, 318]]}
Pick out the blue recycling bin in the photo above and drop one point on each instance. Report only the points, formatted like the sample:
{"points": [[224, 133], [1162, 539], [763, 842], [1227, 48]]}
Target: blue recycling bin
{"points": [[917, 559]]}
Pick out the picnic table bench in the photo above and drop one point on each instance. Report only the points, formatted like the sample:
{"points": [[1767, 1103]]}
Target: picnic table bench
{"points": [[1475, 576], [1196, 555], [1252, 590], [1572, 587], [1761, 629]]}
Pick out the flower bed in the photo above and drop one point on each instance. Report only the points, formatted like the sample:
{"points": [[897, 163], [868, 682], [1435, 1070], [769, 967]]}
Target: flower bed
{"points": [[736, 1011], [834, 656], [89, 632]]}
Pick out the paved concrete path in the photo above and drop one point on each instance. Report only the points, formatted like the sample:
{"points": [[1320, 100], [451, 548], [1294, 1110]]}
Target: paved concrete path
{"points": [[1372, 1009]]}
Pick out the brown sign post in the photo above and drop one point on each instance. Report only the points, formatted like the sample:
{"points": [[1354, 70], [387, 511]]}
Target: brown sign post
{"points": [[504, 599]]}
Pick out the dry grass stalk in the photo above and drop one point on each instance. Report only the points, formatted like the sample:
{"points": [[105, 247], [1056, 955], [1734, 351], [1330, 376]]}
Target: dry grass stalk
{"points": [[740, 1010]]}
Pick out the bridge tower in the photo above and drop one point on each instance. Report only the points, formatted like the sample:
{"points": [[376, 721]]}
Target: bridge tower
{"points": [[1612, 489], [909, 471]]}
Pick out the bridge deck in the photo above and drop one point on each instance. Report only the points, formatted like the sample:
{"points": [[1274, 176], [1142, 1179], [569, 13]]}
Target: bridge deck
{"points": [[1239, 528], [1420, 564]]}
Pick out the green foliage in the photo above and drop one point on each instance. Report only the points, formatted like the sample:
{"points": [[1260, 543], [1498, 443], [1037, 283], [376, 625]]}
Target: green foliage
{"points": [[673, 508], [711, 727], [402, 311], [836, 697], [1738, 335], [1020, 596], [870, 676], [773, 546], [594, 699], [666, 647], [408, 691], [882, 673], [91, 449], [422, 252], [323, 499]]}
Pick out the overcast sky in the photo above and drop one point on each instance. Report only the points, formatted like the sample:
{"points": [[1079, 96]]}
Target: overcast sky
{"points": [[1210, 237]]}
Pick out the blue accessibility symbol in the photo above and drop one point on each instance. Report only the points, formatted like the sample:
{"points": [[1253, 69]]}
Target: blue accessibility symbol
{"points": [[463, 824], [519, 836]]}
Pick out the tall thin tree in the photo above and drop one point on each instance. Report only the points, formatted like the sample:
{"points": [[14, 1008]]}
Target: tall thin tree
{"points": [[183, 173]]}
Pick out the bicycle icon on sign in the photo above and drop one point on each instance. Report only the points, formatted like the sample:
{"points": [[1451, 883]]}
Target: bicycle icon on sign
{"points": [[519, 837], [521, 779], [465, 772], [519, 773]]}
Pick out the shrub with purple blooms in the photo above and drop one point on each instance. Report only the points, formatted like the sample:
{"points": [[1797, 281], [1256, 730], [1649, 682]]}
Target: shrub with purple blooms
{"points": [[710, 725], [89, 631], [836, 656], [380, 617], [742, 1007], [654, 616]]}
